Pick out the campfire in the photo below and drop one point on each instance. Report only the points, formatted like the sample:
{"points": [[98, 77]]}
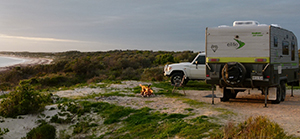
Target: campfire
{"points": [[146, 91]]}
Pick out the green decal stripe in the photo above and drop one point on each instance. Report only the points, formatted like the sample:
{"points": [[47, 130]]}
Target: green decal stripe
{"points": [[240, 43], [236, 59]]}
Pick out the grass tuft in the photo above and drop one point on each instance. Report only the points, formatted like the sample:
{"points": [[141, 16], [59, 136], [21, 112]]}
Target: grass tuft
{"points": [[258, 127]]}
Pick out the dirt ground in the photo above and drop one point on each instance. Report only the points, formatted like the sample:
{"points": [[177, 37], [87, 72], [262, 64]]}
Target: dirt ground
{"points": [[286, 114]]}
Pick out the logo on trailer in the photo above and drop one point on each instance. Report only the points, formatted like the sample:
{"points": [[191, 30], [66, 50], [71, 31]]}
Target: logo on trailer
{"points": [[237, 44]]}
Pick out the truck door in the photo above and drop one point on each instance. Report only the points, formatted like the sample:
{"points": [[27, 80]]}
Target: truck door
{"points": [[197, 68]]}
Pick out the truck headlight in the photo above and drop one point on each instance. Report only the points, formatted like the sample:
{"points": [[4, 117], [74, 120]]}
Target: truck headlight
{"points": [[168, 68]]}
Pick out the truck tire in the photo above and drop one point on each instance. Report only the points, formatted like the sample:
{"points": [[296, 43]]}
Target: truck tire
{"points": [[233, 73], [176, 78], [283, 90], [278, 96]]}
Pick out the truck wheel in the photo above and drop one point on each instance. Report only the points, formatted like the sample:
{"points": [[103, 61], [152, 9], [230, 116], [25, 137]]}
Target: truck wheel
{"points": [[283, 90], [176, 78], [226, 95], [185, 81], [278, 96]]}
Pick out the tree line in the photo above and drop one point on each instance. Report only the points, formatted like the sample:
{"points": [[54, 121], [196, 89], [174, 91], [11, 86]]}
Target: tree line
{"points": [[73, 67]]}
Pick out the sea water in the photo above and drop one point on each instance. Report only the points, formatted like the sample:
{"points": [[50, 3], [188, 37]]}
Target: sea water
{"points": [[9, 61]]}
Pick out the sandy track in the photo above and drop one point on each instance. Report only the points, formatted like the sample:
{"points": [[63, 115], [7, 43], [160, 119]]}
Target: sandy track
{"points": [[286, 114]]}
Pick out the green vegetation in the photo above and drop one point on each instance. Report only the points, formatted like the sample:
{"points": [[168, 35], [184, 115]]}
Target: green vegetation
{"points": [[4, 96], [145, 123], [43, 131], [73, 67], [193, 102], [5, 130], [259, 127], [23, 100], [140, 123]]}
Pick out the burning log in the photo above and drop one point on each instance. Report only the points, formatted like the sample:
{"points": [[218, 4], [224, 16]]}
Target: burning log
{"points": [[146, 91]]}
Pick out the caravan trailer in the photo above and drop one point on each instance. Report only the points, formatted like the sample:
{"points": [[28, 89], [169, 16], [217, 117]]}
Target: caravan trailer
{"points": [[250, 55]]}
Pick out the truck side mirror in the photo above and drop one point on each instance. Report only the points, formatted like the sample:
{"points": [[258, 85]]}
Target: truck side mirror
{"points": [[196, 64]]}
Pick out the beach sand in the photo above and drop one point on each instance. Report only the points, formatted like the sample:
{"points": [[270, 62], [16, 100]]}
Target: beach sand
{"points": [[28, 62]]}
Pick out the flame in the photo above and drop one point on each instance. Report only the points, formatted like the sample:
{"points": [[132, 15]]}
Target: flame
{"points": [[146, 90]]}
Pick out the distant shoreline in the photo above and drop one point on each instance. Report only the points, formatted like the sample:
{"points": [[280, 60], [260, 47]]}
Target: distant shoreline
{"points": [[9, 61], [28, 61]]}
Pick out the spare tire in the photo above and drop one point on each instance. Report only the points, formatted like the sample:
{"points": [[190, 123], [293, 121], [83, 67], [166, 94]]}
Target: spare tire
{"points": [[233, 73]]}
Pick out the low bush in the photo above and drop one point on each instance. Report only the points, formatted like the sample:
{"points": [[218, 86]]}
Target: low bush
{"points": [[23, 100], [83, 127], [5, 130], [259, 127], [60, 120], [153, 74], [57, 80], [43, 131]]}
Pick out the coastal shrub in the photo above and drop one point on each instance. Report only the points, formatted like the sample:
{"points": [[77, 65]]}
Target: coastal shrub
{"points": [[5, 130], [57, 80], [130, 74], [61, 120], [83, 127], [153, 74], [43, 131], [163, 59], [23, 100], [97, 79], [258, 127], [185, 56], [5, 86], [69, 68]]}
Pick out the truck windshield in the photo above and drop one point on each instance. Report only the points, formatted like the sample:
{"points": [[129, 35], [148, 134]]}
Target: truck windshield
{"points": [[200, 59]]}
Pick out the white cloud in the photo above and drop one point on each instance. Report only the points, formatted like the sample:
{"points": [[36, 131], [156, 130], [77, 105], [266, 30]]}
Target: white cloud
{"points": [[39, 39]]}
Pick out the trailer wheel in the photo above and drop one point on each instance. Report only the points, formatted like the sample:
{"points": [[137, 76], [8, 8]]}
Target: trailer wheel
{"points": [[233, 73], [226, 95], [278, 96], [283, 90], [233, 95]]}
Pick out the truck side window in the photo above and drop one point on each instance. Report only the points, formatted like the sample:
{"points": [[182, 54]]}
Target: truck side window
{"points": [[201, 60], [275, 41], [293, 50], [285, 47]]}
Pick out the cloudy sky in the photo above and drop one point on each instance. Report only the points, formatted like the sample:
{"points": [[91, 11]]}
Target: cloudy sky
{"points": [[101, 25]]}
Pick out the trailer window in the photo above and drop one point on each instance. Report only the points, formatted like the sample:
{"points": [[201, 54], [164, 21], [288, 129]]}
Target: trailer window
{"points": [[293, 51], [285, 47], [275, 41]]}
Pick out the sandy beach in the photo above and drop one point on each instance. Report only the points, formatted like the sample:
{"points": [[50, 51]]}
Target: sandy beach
{"points": [[28, 62]]}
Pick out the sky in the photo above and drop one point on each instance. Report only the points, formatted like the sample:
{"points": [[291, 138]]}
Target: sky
{"points": [[103, 25]]}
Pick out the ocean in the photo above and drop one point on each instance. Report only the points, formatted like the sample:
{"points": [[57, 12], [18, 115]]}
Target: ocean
{"points": [[9, 61]]}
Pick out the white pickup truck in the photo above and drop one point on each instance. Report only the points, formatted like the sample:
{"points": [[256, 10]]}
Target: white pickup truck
{"points": [[191, 71]]}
